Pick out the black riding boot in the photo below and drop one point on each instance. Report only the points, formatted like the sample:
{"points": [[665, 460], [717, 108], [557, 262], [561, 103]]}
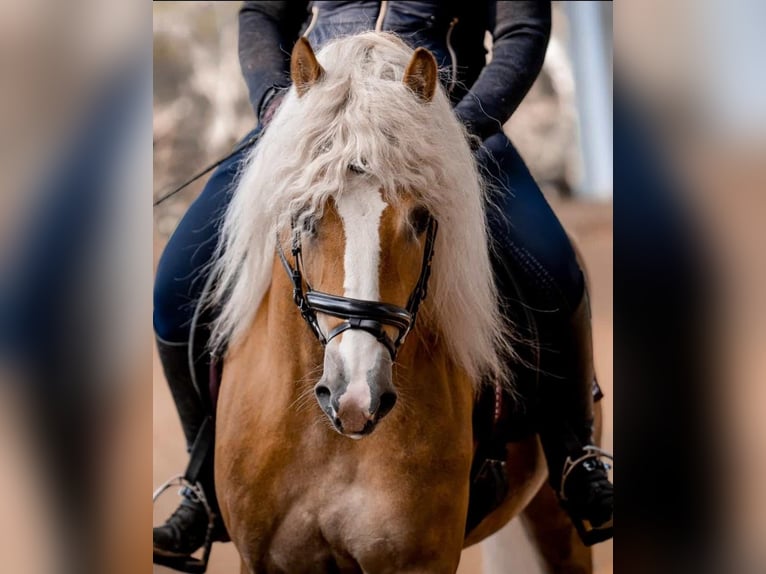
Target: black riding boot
{"points": [[186, 529], [576, 471]]}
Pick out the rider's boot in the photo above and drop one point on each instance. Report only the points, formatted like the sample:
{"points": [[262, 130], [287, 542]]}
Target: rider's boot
{"points": [[576, 471], [185, 530]]}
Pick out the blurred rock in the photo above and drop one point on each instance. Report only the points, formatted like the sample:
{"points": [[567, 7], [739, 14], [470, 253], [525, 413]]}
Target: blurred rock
{"points": [[200, 100]]}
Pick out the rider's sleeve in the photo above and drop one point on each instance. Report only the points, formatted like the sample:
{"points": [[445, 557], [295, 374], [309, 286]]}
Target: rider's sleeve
{"points": [[267, 33], [520, 38]]}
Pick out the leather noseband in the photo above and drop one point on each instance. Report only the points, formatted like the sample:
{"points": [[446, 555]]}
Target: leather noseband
{"points": [[362, 315]]}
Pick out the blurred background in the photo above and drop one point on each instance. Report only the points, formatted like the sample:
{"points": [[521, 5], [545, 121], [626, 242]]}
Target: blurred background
{"points": [[563, 129]]}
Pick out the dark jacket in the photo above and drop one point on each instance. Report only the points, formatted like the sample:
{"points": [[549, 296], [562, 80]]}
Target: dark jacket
{"points": [[484, 95]]}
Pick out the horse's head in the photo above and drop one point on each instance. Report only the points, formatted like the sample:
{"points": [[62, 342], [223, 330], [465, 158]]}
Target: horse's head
{"points": [[361, 252], [365, 306], [362, 158]]}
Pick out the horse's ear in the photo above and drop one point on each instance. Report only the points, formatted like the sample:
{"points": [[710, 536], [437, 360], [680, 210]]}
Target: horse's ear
{"points": [[305, 71], [421, 74]]}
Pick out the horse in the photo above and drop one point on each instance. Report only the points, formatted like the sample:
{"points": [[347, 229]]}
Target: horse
{"points": [[358, 320]]}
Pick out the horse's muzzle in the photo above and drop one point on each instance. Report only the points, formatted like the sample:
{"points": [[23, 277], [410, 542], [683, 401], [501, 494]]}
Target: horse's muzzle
{"points": [[352, 416]]}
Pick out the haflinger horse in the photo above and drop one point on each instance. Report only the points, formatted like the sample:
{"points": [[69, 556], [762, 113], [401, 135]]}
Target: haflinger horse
{"points": [[344, 426]]}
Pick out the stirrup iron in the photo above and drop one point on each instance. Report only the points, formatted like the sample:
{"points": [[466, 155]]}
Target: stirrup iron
{"points": [[188, 563], [589, 533], [569, 465]]}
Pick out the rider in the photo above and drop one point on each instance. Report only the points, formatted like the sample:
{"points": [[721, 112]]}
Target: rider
{"points": [[534, 261]]}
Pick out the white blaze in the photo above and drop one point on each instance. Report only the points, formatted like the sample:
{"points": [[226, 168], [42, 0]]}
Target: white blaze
{"points": [[360, 211]]}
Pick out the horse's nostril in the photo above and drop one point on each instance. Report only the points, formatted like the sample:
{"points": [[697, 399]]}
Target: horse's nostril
{"points": [[387, 402], [322, 393]]}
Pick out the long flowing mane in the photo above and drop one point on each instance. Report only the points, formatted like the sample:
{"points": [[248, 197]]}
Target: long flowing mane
{"points": [[360, 113]]}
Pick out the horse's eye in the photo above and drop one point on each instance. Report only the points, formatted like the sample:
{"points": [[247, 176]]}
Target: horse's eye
{"points": [[419, 218], [310, 226]]}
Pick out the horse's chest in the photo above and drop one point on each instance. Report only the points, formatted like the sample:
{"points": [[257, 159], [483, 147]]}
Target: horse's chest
{"points": [[326, 505], [325, 531], [297, 542]]}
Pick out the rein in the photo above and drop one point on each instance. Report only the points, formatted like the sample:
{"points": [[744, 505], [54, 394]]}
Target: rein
{"points": [[359, 314], [239, 148]]}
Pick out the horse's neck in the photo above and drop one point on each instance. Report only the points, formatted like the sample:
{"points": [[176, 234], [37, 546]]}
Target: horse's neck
{"points": [[427, 378]]}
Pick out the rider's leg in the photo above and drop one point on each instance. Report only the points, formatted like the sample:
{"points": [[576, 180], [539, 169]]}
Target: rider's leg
{"points": [[545, 296], [182, 336]]}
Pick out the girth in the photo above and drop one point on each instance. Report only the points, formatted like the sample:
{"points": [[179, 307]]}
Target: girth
{"points": [[358, 314]]}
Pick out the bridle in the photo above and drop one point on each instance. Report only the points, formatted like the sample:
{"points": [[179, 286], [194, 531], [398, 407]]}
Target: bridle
{"points": [[369, 316]]}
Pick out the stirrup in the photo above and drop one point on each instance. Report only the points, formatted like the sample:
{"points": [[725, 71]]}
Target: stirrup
{"points": [[588, 533], [188, 563], [570, 465]]}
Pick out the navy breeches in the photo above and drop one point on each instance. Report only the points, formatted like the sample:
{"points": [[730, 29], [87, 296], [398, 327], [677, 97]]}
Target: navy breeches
{"points": [[532, 255], [182, 269], [534, 262]]}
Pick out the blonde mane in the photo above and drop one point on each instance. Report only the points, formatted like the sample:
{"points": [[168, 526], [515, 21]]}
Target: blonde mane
{"points": [[361, 114]]}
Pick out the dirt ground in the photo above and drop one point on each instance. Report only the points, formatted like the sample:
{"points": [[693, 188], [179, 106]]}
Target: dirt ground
{"points": [[591, 226]]}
